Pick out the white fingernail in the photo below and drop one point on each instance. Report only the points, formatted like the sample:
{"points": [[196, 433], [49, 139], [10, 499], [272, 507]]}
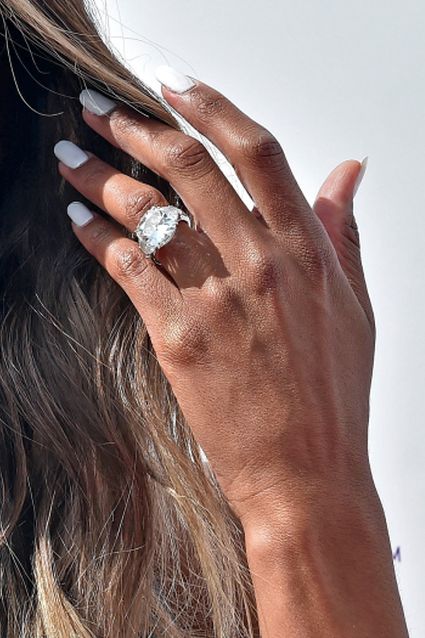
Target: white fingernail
{"points": [[360, 175], [96, 103], [70, 154], [173, 80], [79, 213]]}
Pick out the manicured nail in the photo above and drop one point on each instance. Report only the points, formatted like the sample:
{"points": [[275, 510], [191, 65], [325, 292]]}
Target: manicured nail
{"points": [[79, 213], [173, 80], [70, 154], [96, 103], [360, 175]]}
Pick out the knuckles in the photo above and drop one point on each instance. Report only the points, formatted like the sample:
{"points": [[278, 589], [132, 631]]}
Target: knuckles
{"points": [[263, 270], [186, 342], [185, 154], [188, 156], [92, 172], [193, 339], [128, 263], [139, 202], [123, 124], [99, 233], [260, 147], [221, 301], [265, 275], [208, 106]]}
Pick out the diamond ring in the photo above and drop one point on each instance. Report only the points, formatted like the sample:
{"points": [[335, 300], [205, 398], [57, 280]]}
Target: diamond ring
{"points": [[157, 227]]}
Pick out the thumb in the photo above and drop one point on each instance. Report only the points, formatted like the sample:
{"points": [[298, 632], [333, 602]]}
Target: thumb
{"points": [[334, 207]]}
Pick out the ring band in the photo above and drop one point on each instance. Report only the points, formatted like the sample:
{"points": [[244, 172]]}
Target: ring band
{"points": [[157, 227]]}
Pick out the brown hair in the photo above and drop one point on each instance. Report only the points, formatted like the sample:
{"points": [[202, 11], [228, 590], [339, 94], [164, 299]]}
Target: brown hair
{"points": [[111, 524]]}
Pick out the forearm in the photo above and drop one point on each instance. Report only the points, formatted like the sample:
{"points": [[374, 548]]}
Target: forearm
{"points": [[328, 573]]}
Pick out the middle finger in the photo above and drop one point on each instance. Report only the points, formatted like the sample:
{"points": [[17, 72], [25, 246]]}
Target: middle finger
{"points": [[186, 164], [189, 258]]}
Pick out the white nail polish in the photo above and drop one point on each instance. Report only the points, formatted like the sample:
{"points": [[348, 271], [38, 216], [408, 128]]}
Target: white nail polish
{"points": [[70, 154], [96, 103], [360, 175], [79, 213], [173, 80]]}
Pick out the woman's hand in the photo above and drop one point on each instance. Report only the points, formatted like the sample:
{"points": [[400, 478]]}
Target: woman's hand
{"points": [[267, 335], [263, 325]]}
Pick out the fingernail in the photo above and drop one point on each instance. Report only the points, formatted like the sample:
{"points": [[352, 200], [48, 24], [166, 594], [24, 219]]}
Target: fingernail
{"points": [[79, 213], [70, 154], [360, 175], [173, 80], [96, 103]]}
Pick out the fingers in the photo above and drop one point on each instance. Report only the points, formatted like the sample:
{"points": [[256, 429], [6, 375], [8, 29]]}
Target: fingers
{"points": [[334, 207], [185, 163], [155, 297], [189, 258], [123, 197], [334, 203], [254, 152]]}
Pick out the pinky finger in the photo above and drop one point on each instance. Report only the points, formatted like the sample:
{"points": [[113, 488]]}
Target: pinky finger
{"points": [[152, 293]]}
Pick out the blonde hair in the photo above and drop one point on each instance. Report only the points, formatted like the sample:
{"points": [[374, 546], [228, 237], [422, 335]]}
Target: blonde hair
{"points": [[111, 524]]}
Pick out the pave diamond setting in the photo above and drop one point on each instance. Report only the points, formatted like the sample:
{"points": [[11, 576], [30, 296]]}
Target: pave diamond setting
{"points": [[157, 227]]}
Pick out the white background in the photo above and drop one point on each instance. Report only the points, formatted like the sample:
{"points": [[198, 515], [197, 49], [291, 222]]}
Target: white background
{"points": [[333, 80]]}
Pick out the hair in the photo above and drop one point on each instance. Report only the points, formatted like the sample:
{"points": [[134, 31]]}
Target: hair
{"points": [[111, 522]]}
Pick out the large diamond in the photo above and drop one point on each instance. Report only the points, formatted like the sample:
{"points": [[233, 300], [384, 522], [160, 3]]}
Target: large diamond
{"points": [[157, 227]]}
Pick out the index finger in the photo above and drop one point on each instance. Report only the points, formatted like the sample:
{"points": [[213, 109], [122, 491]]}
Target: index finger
{"points": [[254, 152], [151, 291]]}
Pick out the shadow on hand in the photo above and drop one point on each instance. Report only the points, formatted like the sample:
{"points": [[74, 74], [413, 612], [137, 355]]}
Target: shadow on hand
{"points": [[190, 258]]}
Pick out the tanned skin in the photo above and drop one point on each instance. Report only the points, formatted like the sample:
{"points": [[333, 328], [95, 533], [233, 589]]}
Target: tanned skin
{"points": [[265, 330]]}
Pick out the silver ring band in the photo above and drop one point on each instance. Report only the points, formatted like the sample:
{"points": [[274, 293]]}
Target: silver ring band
{"points": [[157, 227]]}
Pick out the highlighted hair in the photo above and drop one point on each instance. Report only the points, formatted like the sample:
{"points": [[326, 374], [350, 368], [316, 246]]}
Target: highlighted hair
{"points": [[111, 524]]}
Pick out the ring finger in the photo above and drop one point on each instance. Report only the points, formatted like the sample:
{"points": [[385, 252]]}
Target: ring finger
{"points": [[187, 165], [189, 258]]}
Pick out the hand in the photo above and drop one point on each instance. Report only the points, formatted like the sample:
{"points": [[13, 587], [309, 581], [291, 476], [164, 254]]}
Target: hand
{"points": [[264, 326]]}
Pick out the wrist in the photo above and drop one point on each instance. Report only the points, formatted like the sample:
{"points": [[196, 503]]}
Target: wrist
{"points": [[327, 570], [301, 501], [287, 521], [331, 529]]}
